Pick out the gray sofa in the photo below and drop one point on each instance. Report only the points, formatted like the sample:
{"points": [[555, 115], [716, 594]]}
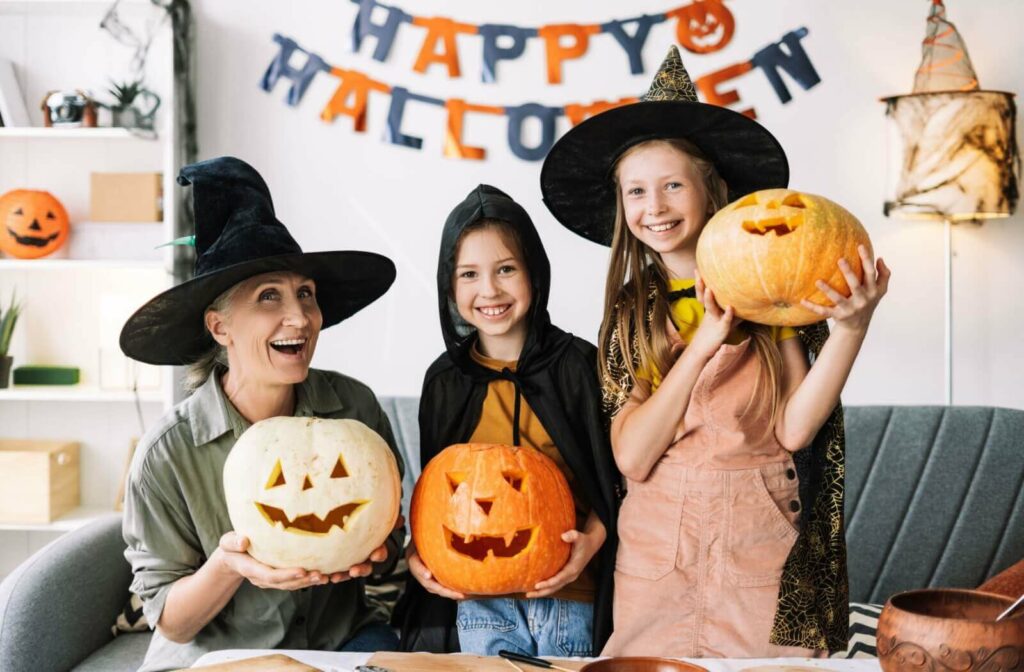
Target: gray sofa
{"points": [[935, 496]]}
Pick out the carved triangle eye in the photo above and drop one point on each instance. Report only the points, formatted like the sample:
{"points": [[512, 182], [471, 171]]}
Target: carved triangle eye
{"points": [[455, 479], [513, 479], [276, 477], [339, 470]]}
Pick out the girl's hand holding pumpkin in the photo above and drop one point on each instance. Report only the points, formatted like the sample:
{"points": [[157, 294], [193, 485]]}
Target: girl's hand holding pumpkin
{"points": [[716, 325], [854, 313], [584, 546], [426, 579]]}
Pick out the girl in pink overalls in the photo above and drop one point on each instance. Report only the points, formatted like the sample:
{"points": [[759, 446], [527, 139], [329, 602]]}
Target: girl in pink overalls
{"points": [[707, 413]]}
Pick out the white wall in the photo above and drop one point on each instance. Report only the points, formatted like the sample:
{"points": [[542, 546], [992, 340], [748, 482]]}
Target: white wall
{"points": [[338, 189]]}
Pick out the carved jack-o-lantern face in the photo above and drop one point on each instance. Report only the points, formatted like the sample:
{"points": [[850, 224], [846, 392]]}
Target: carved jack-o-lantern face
{"points": [[312, 493], [764, 252], [32, 223], [704, 26], [488, 519]]}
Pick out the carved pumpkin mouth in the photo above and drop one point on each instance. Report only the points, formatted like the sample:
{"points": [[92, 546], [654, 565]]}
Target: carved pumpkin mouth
{"points": [[311, 523], [706, 35], [33, 241], [480, 547]]}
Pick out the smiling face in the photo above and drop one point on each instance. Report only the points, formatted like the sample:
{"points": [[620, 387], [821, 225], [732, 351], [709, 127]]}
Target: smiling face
{"points": [[270, 328], [312, 493], [34, 224], [492, 291], [664, 201], [488, 519]]}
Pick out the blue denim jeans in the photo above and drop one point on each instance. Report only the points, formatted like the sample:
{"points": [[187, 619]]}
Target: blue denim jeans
{"points": [[540, 627], [372, 637]]}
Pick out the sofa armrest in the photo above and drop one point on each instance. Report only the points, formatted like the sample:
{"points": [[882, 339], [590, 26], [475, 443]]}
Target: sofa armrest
{"points": [[58, 606]]}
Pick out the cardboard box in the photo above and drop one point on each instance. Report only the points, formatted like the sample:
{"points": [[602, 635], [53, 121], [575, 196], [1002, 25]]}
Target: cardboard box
{"points": [[126, 197], [38, 480]]}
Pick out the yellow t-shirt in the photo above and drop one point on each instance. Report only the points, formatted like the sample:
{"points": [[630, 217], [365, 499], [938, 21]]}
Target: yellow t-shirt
{"points": [[495, 426], [686, 314]]}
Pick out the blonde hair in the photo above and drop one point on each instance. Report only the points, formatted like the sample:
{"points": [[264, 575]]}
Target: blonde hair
{"points": [[631, 271], [216, 357]]}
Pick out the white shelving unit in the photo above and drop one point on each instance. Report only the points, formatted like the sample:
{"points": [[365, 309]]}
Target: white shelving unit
{"points": [[76, 300]]}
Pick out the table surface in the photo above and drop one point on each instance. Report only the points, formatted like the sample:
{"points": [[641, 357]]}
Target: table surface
{"points": [[329, 661]]}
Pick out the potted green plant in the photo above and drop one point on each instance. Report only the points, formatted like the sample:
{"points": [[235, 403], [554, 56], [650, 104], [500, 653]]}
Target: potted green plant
{"points": [[134, 105], [8, 318]]}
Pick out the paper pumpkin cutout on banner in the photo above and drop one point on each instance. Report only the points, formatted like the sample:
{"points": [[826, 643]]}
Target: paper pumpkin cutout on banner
{"points": [[312, 493], [488, 519], [764, 252], [704, 26], [33, 223]]}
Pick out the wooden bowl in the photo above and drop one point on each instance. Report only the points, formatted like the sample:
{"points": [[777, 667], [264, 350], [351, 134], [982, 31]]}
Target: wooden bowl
{"points": [[945, 629], [641, 664]]}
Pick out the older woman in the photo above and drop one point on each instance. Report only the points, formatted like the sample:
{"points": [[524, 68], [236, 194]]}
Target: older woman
{"points": [[248, 324]]}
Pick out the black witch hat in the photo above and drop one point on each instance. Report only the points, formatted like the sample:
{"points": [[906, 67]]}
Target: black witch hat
{"points": [[237, 237], [576, 179]]}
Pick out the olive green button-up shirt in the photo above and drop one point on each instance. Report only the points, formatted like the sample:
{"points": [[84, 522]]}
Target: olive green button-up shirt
{"points": [[175, 515]]}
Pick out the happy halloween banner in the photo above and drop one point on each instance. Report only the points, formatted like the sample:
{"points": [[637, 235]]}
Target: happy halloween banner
{"points": [[352, 96], [702, 27]]}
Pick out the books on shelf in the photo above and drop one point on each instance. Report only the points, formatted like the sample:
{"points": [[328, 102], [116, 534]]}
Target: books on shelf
{"points": [[13, 112]]}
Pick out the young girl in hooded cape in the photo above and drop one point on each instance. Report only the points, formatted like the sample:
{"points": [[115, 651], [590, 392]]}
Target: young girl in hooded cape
{"points": [[510, 376], [731, 533]]}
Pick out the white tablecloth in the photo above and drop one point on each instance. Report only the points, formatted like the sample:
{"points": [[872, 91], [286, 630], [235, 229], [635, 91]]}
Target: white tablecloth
{"points": [[346, 662]]}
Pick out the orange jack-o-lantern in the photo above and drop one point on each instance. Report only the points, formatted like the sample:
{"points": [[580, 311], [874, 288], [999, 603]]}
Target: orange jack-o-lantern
{"points": [[32, 223], [488, 519], [764, 252], [704, 26], [312, 493]]}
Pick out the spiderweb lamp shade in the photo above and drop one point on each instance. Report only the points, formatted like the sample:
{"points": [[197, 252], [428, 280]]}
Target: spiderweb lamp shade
{"points": [[952, 155]]}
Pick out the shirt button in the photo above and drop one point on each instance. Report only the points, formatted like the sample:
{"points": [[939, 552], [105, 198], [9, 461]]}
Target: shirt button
{"points": [[794, 506], [790, 474]]}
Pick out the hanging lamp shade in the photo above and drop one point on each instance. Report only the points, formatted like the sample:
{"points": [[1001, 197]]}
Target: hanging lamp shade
{"points": [[952, 145]]}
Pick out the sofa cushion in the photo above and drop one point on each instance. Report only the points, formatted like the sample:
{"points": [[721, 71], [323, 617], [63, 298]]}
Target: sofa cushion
{"points": [[131, 618], [934, 496], [124, 654], [863, 632]]}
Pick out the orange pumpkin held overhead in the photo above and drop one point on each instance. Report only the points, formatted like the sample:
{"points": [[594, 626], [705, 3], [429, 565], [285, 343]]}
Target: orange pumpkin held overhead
{"points": [[764, 252], [32, 223], [488, 519]]}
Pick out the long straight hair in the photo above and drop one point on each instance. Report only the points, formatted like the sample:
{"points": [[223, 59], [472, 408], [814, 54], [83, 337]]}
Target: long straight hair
{"points": [[632, 269]]}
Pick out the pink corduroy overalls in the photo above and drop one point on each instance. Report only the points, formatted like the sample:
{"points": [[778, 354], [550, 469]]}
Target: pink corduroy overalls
{"points": [[702, 541]]}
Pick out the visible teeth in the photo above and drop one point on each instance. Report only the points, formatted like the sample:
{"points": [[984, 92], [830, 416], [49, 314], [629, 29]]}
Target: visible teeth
{"points": [[493, 311], [289, 341], [658, 228], [468, 538], [508, 539]]}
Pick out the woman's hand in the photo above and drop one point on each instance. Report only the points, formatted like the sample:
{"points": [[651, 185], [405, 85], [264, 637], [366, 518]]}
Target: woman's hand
{"points": [[584, 546], [236, 559], [425, 578], [854, 313], [716, 325]]}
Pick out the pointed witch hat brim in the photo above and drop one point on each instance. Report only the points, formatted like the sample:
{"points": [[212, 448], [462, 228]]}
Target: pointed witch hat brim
{"points": [[577, 180], [238, 237]]}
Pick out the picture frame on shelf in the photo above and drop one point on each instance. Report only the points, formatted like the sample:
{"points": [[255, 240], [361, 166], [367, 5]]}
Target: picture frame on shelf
{"points": [[13, 112]]}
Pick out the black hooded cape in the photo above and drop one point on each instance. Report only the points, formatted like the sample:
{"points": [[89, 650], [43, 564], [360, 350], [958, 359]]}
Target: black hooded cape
{"points": [[557, 376]]}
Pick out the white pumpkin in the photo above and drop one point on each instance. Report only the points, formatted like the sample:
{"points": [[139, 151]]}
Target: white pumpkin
{"points": [[312, 493]]}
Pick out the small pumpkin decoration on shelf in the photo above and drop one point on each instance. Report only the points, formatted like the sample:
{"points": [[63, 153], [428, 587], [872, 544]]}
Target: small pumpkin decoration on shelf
{"points": [[764, 252], [488, 519], [312, 493], [32, 223]]}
